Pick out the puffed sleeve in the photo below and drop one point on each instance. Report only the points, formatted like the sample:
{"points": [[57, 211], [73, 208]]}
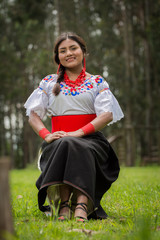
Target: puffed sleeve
{"points": [[38, 100], [105, 101]]}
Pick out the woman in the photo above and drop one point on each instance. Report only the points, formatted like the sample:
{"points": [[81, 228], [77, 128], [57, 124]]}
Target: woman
{"points": [[78, 165]]}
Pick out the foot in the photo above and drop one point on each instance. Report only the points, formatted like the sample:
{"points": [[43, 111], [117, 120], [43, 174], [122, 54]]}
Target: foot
{"points": [[63, 218], [81, 212], [64, 211]]}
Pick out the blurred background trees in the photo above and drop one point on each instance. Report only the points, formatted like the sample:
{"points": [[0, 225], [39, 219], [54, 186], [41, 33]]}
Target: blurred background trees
{"points": [[123, 45]]}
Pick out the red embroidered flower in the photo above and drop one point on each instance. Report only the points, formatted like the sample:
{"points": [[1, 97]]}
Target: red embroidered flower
{"points": [[73, 91], [98, 79], [89, 85]]}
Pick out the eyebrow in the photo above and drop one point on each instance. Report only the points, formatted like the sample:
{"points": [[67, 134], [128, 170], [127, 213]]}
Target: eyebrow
{"points": [[69, 46]]}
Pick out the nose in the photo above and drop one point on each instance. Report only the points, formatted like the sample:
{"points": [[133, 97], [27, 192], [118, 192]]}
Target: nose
{"points": [[69, 53]]}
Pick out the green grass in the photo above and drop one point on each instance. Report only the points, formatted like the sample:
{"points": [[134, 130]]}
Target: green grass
{"points": [[132, 203]]}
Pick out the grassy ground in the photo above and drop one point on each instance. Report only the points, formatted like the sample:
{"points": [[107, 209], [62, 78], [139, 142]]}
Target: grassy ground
{"points": [[132, 204]]}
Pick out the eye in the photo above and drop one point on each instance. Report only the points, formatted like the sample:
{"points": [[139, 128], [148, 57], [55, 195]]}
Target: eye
{"points": [[62, 51], [73, 48]]}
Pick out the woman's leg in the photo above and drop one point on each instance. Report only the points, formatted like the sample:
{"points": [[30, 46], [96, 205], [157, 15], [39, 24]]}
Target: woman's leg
{"points": [[65, 192], [80, 210]]}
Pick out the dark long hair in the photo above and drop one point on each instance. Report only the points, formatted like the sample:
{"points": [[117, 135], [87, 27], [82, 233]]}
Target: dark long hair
{"points": [[61, 38]]}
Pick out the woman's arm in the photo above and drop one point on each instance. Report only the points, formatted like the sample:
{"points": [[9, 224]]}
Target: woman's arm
{"points": [[102, 120], [37, 125], [98, 123], [35, 122]]}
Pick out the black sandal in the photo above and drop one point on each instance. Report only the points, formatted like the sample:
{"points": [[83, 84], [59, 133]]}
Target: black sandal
{"points": [[62, 217], [83, 206]]}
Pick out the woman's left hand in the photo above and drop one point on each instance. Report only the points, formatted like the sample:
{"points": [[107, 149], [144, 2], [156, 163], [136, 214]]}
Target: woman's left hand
{"points": [[78, 133], [54, 136]]}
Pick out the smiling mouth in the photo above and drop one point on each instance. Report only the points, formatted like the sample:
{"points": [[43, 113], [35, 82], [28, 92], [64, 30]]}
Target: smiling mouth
{"points": [[70, 59]]}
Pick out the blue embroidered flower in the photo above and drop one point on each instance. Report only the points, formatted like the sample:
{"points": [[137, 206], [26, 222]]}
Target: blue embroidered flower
{"points": [[47, 78], [89, 85], [73, 91], [99, 80]]}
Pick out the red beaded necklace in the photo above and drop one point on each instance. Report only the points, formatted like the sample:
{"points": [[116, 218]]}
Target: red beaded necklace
{"points": [[80, 79]]}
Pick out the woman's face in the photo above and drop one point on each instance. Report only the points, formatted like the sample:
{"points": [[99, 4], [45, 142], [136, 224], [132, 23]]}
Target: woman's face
{"points": [[70, 54]]}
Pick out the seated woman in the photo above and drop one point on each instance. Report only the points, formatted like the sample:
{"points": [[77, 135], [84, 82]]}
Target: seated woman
{"points": [[77, 163]]}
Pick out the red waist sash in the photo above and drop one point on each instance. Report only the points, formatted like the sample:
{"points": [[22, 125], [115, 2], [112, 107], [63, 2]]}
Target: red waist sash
{"points": [[69, 123]]}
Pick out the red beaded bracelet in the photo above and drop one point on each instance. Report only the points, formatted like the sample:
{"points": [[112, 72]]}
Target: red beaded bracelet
{"points": [[88, 129], [43, 133]]}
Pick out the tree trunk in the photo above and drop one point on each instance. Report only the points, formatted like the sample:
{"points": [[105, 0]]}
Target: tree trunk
{"points": [[2, 130], [10, 112], [128, 84], [59, 17], [26, 139], [147, 76], [6, 225]]}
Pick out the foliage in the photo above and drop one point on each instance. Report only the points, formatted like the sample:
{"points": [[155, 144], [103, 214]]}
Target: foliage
{"points": [[132, 205], [123, 46]]}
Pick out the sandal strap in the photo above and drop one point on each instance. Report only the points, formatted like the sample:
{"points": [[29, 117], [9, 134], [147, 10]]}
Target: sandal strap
{"points": [[81, 219], [82, 206], [63, 218], [64, 204]]}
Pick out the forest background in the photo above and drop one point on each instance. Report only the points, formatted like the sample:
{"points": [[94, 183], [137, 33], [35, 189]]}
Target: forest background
{"points": [[123, 45]]}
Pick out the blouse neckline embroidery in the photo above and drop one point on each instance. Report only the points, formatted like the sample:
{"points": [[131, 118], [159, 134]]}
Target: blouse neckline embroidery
{"points": [[84, 87]]}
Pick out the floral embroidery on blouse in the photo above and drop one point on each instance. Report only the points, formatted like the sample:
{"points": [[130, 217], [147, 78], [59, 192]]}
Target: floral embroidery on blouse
{"points": [[87, 85], [48, 78]]}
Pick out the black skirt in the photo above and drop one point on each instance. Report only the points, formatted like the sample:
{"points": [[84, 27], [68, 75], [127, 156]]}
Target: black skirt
{"points": [[88, 164]]}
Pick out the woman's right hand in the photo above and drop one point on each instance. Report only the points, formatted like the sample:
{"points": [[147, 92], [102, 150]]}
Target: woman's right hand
{"points": [[37, 124], [54, 136]]}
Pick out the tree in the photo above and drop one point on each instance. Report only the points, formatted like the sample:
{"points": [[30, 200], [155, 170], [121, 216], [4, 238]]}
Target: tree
{"points": [[123, 46]]}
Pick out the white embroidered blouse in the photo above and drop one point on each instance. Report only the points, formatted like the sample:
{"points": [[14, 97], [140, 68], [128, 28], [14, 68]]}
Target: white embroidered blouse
{"points": [[92, 97]]}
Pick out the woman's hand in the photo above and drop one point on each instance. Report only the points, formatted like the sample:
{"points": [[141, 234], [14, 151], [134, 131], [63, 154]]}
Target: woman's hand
{"points": [[56, 135], [78, 133], [60, 134]]}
